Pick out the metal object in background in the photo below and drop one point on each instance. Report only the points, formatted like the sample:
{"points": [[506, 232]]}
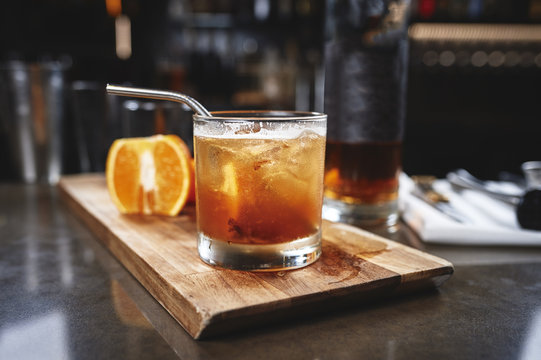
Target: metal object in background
{"points": [[527, 204], [426, 192], [463, 179], [33, 110], [532, 173]]}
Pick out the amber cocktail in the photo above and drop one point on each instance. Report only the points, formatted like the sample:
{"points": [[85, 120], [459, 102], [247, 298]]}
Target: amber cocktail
{"points": [[259, 188]]}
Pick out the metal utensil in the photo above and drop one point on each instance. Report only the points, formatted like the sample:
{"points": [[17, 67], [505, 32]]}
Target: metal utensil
{"points": [[527, 205], [463, 179], [158, 95], [425, 191], [33, 114], [532, 173]]}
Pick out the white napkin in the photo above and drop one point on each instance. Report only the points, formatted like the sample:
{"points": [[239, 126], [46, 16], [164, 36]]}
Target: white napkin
{"points": [[492, 221]]}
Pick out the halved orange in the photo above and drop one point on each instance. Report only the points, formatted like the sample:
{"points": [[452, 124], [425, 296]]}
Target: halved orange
{"points": [[152, 175]]}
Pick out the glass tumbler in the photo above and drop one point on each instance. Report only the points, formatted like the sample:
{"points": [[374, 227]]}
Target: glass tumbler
{"points": [[259, 188], [366, 54]]}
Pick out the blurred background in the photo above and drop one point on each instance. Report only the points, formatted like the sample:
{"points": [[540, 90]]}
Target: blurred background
{"points": [[474, 88]]}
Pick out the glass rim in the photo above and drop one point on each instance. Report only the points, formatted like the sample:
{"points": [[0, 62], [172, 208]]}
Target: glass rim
{"points": [[261, 115]]}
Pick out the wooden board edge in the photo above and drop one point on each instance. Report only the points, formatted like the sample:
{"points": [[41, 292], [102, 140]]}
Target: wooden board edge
{"points": [[306, 305], [297, 308], [443, 269]]}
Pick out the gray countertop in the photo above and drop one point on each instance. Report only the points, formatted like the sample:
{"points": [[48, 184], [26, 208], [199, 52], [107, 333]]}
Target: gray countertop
{"points": [[63, 296]]}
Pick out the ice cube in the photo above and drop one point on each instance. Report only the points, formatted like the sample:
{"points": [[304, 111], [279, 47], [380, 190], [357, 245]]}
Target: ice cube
{"points": [[229, 185], [248, 129], [307, 136], [264, 149]]}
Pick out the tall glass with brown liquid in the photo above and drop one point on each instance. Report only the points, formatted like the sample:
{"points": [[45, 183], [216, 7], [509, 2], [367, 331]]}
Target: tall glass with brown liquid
{"points": [[365, 91], [259, 188]]}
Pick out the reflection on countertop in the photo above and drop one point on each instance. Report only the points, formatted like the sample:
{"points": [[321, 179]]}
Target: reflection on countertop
{"points": [[55, 299]]}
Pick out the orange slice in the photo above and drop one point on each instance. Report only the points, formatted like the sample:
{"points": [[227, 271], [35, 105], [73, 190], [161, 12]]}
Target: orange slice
{"points": [[152, 175]]}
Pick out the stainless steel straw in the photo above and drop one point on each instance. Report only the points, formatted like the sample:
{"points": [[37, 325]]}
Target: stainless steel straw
{"points": [[159, 95]]}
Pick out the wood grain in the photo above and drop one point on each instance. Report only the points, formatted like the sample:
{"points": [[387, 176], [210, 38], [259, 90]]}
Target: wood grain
{"points": [[161, 253]]}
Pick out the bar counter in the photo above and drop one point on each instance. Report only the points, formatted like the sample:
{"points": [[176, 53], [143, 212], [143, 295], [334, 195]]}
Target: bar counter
{"points": [[64, 296]]}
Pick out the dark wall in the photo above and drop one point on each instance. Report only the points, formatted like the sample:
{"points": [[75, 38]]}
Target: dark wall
{"points": [[486, 119]]}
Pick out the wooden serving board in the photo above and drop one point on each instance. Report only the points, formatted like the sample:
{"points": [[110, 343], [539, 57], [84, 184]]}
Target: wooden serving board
{"points": [[161, 253]]}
